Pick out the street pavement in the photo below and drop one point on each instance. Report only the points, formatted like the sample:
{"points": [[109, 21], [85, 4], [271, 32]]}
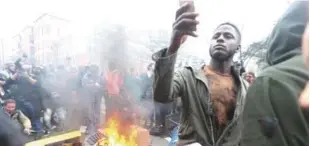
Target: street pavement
{"points": [[158, 141]]}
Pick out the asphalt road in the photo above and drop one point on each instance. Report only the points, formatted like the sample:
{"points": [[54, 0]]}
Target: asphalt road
{"points": [[158, 141]]}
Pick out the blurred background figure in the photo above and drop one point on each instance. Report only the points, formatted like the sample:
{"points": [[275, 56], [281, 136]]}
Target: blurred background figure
{"points": [[250, 77], [17, 116]]}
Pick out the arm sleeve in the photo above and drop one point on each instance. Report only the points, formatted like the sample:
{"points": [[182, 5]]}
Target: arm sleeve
{"points": [[24, 120], [166, 84], [8, 83]]}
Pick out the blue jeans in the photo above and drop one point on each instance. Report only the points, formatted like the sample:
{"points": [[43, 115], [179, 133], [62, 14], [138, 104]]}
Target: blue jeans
{"points": [[174, 136], [94, 114], [161, 111], [28, 109]]}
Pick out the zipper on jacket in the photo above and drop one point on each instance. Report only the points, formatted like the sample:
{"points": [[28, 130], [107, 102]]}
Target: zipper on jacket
{"points": [[210, 119], [212, 131], [210, 112], [233, 121]]}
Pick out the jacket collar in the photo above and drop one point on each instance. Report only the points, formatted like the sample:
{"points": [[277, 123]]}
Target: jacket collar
{"points": [[200, 75]]}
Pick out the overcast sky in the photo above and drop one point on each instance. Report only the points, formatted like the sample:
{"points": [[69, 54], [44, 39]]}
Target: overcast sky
{"points": [[258, 14], [255, 18]]}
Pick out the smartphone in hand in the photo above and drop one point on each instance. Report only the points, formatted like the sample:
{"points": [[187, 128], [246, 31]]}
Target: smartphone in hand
{"points": [[191, 8], [191, 2]]}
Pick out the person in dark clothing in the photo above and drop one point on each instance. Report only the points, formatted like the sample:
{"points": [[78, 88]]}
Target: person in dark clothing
{"points": [[272, 114], [91, 84], [10, 135], [212, 97], [146, 82], [16, 116], [147, 96], [27, 93], [132, 86]]}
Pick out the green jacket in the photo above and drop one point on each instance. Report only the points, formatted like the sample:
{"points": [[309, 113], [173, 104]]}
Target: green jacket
{"points": [[197, 117], [272, 115]]}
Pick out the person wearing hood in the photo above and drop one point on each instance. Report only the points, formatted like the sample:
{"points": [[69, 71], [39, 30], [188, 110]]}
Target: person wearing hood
{"points": [[272, 114]]}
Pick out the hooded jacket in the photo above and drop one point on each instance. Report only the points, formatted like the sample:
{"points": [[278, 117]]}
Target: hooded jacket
{"points": [[272, 115], [197, 117]]}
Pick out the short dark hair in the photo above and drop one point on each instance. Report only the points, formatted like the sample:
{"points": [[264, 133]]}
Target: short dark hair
{"points": [[232, 25], [9, 101]]}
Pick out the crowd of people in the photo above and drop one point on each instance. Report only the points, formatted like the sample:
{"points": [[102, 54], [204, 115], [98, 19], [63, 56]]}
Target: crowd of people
{"points": [[44, 99], [217, 104]]}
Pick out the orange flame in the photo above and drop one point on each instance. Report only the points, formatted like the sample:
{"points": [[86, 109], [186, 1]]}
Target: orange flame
{"points": [[120, 132]]}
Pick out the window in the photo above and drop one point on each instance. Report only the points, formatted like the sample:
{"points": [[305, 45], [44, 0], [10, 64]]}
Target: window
{"points": [[42, 31], [47, 29], [58, 31]]}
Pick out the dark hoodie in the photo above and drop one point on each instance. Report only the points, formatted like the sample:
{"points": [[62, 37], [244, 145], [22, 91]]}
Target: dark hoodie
{"points": [[272, 115]]}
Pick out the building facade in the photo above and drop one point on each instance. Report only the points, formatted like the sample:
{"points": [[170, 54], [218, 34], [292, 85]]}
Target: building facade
{"points": [[52, 39], [46, 41]]}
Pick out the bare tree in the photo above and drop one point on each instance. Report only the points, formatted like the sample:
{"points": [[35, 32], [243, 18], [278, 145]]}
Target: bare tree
{"points": [[256, 51]]}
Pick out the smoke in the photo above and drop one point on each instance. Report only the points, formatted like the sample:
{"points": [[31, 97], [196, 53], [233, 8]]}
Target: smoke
{"points": [[111, 47]]}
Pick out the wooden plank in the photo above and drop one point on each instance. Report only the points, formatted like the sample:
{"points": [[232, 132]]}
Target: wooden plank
{"points": [[55, 139]]}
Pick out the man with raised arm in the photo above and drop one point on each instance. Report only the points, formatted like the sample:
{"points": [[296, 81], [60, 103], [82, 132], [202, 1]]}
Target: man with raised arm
{"points": [[212, 96]]}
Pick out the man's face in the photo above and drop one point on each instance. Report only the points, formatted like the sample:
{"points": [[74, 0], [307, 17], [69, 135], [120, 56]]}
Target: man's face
{"points": [[250, 78], [224, 43], [10, 107]]}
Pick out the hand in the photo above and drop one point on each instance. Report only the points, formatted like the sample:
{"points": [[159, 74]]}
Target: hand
{"points": [[14, 76], [304, 96], [185, 24], [27, 131]]}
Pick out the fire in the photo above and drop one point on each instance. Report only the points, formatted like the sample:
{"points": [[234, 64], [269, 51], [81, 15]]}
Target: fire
{"points": [[119, 132]]}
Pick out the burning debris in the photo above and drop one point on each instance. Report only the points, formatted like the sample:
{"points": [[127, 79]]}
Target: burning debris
{"points": [[119, 132]]}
